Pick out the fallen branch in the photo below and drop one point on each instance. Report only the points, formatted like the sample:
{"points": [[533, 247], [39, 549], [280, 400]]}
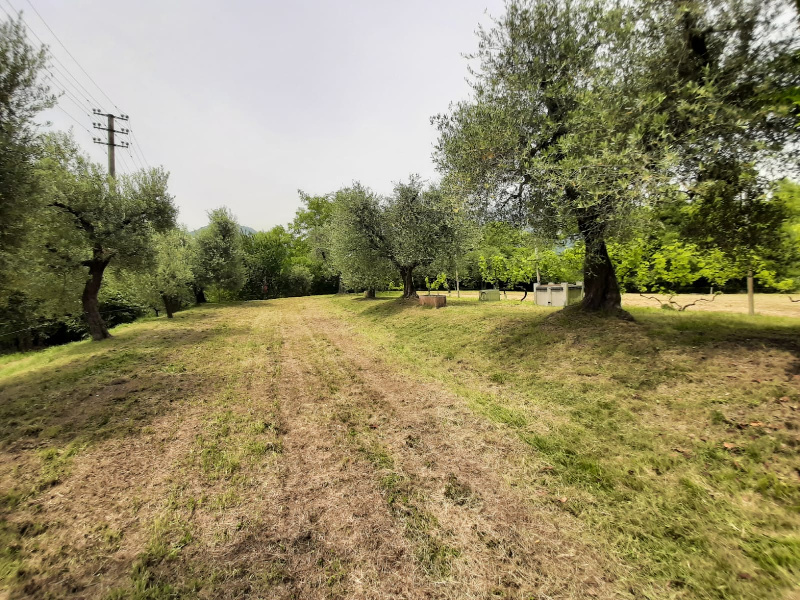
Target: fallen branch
{"points": [[660, 303], [683, 308], [673, 305]]}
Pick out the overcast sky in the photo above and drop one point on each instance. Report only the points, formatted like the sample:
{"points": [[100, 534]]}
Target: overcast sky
{"points": [[245, 102]]}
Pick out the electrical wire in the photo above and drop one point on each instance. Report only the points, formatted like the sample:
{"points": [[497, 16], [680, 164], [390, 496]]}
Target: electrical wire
{"points": [[66, 94], [81, 108], [65, 81], [138, 146], [61, 108], [53, 56], [72, 57], [135, 160], [125, 168]]}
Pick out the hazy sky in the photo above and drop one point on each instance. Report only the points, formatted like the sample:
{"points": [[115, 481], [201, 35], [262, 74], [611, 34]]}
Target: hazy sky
{"points": [[245, 102]]}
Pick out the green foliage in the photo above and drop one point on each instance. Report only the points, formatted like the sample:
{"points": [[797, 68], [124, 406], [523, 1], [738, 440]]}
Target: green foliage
{"points": [[669, 267], [219, 258], [22, 96], [357, 246], [173, 273], [373, 238], [438, 283], [284, 262], [266, 257], [527, 146], [86, 210], [721, 69], [299, 280], [168, 284]]}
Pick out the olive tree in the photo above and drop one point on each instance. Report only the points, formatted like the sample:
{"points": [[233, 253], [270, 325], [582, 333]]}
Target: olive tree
{"points": [[172, 278], [90, 220], [354, 239], [371, 236], [552, 137], [219, 257], [22, 96], [727, 73]]}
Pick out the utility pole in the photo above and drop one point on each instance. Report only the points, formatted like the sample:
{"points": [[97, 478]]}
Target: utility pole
{"points": [[112, 166]]}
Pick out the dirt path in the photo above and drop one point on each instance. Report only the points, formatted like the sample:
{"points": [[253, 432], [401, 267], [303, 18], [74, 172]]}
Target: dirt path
{"points": [[405, 485], [294, 463]]}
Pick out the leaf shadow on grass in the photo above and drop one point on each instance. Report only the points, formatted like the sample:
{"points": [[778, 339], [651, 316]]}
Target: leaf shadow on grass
{"points": [[622, 413], [653, 333], [91, 391]]}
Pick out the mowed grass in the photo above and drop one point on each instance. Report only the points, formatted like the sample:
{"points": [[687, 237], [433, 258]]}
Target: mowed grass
{"points": [[146, 466], [124, 448], [674, 438]]}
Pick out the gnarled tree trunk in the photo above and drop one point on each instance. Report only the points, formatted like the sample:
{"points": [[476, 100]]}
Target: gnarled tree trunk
{"points": [[369, 293], [91, 308], [601, 290], [407, 273], [170, 305]]}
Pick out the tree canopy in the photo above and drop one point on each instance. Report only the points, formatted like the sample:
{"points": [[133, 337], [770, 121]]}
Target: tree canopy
{"points": [[93, 219], [405, 231], [585, 111]]}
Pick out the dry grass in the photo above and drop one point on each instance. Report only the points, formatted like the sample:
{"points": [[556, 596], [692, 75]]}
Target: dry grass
{"points": [[257, 451], [776, 305], [673, 439], [340, 448]]}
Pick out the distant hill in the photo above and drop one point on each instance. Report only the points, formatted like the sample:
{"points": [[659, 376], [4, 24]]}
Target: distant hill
{"points": [[244, 228]]}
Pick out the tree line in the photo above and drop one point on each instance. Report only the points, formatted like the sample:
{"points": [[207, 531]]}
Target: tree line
{"points": [[638, 145]]}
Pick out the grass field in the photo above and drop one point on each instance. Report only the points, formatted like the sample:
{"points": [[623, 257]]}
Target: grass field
{"points": [[775, 305], [334, 447]]}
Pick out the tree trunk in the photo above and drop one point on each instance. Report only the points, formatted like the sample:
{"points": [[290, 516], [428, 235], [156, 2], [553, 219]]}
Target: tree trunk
{"points": [[751, 300], [369, 293], [342, 289], [97, 327], [169, 305], [601, 290], [199, 295], [407, 273]]}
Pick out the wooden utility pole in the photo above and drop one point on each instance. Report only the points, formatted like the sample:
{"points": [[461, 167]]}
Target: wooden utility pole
{"points": [[751, 304], [110, 141]]}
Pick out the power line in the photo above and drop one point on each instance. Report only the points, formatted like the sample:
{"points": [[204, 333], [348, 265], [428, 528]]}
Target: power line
{"points": [[74, 94], [71, 56], [82, 126], [137, 147], [53, 56], [125, 167], [68, 97], [65, 93], [137, 163], [60, 87], [66, 83]]}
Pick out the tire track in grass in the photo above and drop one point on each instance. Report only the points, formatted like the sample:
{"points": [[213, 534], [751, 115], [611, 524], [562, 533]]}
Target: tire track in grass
{"points": [[441, 471], [328, 539]]}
